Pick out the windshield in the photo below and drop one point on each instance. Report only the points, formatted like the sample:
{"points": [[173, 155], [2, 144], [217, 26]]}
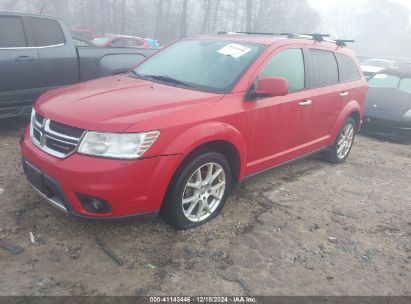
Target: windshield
{"points": [[207, 65], [101, 41], [384, 81]]}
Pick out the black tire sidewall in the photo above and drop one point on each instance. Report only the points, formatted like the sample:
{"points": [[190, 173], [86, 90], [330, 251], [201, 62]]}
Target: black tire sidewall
{"points": [[172, 210]]}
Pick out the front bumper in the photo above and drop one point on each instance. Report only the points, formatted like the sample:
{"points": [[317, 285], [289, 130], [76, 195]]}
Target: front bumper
{"points": [[387, 129], [132, 188]]}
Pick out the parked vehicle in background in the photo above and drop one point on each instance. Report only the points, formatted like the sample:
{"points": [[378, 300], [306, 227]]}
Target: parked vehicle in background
{"points": [[187, 124], [111, 40], [37, 54], [370, 71], [382, 63], [83, 33], [82, 42], [388, 105]]}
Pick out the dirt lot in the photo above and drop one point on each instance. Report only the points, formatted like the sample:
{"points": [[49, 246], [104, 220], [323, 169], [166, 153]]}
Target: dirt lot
{"points": [[308, 229]]}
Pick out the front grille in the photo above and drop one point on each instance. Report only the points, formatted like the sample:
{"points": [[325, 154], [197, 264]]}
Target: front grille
{"points": [[66, 130], [54, 138], [39, 118], [37, 134]]}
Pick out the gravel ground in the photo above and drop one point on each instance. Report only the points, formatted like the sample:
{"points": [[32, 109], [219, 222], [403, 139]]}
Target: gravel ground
{"points": [[307, 229]]}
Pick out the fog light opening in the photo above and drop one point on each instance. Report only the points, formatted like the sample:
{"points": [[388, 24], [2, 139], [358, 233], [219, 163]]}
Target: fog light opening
{"points": [[94, 204]]}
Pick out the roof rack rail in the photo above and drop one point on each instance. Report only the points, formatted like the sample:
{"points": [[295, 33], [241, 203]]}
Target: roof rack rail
{"points": [[343, 42], [246, 33], [316, 36], [255, 33]]}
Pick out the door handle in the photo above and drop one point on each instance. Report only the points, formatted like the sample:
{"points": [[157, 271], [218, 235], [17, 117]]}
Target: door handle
{"points": [[307, 102], [24, 58], [344, 94]]}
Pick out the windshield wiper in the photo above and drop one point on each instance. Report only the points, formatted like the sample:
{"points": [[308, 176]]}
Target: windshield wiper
{"points": [[167, 79]]}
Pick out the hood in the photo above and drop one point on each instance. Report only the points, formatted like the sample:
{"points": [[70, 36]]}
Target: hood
{"points": [[115, 103], [389, 104]]}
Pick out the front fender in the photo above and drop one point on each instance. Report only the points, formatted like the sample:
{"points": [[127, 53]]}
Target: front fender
{"points": [[350, 108], [199, 135]]}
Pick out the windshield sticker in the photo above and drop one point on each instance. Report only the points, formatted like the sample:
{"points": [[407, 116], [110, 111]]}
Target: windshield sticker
{"points": [[380, 76], [234, 50]]}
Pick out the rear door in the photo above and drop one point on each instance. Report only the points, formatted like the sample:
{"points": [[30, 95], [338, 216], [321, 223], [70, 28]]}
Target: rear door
{"points": [[354, 89], [58, 56], [328, 94], [19, 67]]}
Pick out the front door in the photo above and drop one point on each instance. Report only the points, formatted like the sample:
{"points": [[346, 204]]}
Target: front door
{"points": [[280, 124]]}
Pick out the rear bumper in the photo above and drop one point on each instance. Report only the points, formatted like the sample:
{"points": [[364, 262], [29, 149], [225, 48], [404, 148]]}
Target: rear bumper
{"points": [[132, 188], [387, 129]]}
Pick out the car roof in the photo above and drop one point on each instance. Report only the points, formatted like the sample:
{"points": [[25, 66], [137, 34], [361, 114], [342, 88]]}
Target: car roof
{"points": [[270, 39], [20, 14]]}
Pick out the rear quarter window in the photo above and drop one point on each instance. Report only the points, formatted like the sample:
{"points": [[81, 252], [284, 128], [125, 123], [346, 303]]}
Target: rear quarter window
{"points": [[323, 68], [348, 69], [11, 32], [47, 32]]}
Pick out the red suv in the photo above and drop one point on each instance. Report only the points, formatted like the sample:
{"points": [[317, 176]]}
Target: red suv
{"points": [[187, 124]]}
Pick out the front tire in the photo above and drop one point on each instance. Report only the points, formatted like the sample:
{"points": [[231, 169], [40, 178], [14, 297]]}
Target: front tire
{"points": [[342, 146], [198, 192]]}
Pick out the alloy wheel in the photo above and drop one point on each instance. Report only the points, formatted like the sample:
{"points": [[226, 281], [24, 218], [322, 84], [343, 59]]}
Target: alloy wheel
{"points": [[203, 192], [345, 141]]}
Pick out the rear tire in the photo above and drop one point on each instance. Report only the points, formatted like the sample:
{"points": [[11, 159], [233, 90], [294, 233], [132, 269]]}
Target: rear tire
{"points": [[342, 146], [198, 191]]}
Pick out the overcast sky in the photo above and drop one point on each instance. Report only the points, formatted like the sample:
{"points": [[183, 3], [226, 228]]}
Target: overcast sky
{"points": [[326, 4]]}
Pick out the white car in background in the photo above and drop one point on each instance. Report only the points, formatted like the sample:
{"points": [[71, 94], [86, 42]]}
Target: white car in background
{"points": [[375, 65], [382, 63], [370, 70]]}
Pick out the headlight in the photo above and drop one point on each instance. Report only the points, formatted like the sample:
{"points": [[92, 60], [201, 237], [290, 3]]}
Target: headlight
{"points": [[407, 115], [117, 145]]}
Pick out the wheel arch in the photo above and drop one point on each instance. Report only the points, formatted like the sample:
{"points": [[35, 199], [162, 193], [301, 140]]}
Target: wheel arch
{"points": [[216, 137], [352, 109]]}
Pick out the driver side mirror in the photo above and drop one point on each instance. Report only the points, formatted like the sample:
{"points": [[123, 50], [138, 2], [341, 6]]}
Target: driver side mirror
{"points": [[272, 87]]}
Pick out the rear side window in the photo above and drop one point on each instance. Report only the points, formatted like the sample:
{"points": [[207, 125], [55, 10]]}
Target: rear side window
{"points": [[384, 81], [11, 32], [348, 69], [288, 64], [47, 32], [323, 68]]}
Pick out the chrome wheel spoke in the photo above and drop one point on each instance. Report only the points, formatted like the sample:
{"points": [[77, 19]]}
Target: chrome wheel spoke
{"points": [[192, 199], [191, 208], [215, 175]]}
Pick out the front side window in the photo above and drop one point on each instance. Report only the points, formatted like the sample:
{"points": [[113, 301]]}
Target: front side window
{"points": [[405, 85], [288, 64], [323, 68], [11, 32], [47, 32], [348, 69], [209, 65], [384, 81]]}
